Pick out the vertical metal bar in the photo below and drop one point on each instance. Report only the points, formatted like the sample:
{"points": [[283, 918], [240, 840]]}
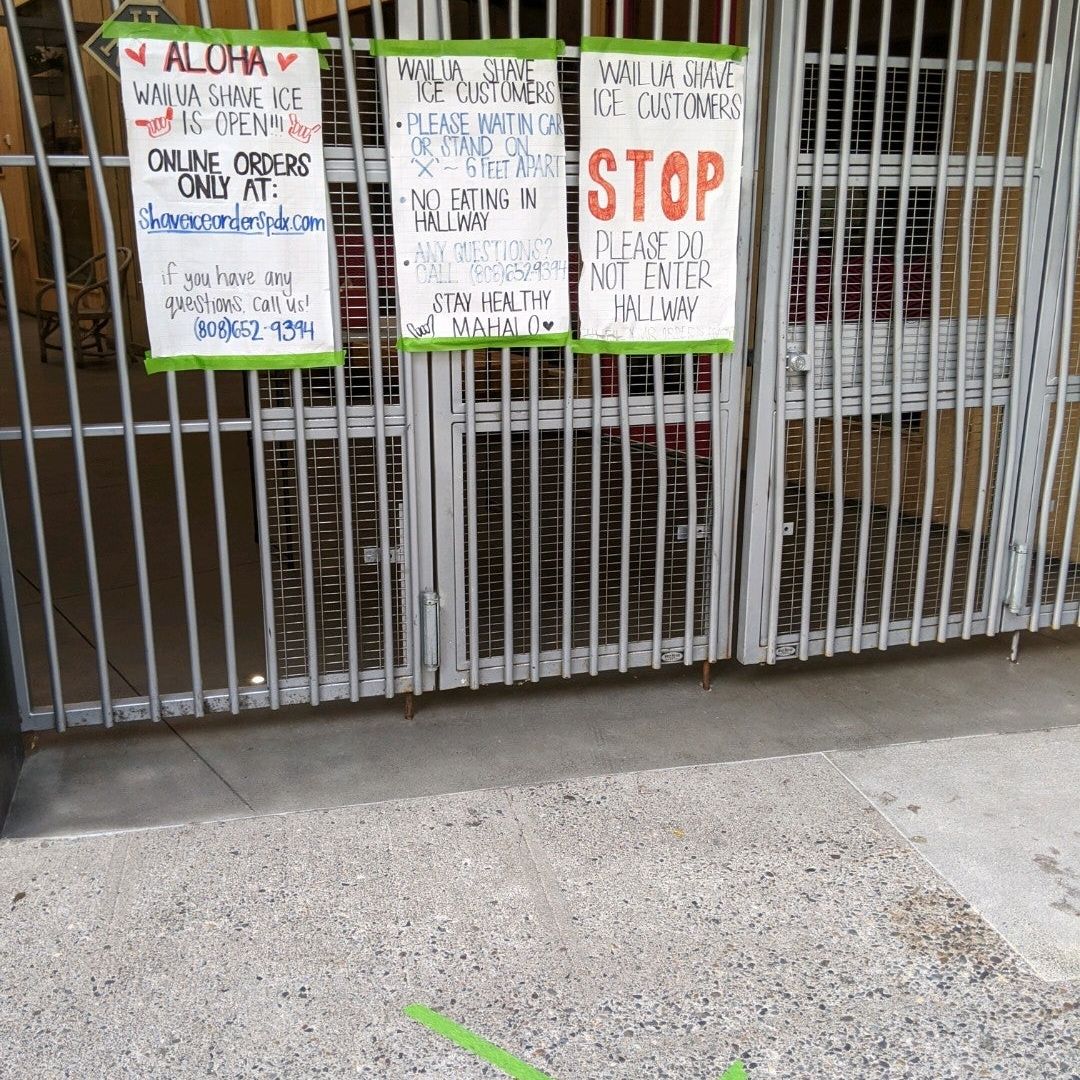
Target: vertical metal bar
{"points": [[689, 387], [52, 217], [719, 510], [661, 509], [568, 512], [116, 301], [993, 275], [595, 464], [725, 19], [348, 539], [299, 14], [411, 540], [262, 516], [810, 382], [1061, 398], [303, 500], [941, 191], [961, 346], [866, 507], [1065, 562], [690, 449], [506, 439], [594, 517], [624, 523], [344, 450], [470, 514], [658, 19], [534, 515], [895, 443], [374, 346], [221, 520], [187, 570], [837, 311], [1012, 414], [782, 319], [22, 398]]}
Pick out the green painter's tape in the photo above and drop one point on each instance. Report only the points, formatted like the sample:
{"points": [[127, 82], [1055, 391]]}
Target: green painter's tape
{"points": [[520, 48], [464, 1038], [735, 1071], [449, 344], [640, 47], [651, 348], [214, 35], [252, 362]]}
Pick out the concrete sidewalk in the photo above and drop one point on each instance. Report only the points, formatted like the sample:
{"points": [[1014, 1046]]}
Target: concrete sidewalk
{"points": [[646, 925], [339, 754]]}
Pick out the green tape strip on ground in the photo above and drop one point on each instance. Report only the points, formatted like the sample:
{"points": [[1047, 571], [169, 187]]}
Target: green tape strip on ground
{"points": [[641, 47], [410, 344], [464, 1038], [521, 48], [250, 362], [651, 348], [206, 35]]}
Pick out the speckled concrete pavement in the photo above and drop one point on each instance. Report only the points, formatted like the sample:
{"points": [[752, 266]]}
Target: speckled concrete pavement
{"points": [[648, 925]]}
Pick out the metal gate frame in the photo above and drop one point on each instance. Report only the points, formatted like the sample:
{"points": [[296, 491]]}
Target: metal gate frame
{"points": [[298, 420], [458, 418], [783, 371], [1054, 387]]}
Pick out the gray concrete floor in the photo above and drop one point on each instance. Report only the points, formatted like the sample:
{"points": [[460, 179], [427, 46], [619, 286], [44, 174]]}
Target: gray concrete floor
{"points": [[198, 770], [640, 926], [585, 874], [99, 398]]}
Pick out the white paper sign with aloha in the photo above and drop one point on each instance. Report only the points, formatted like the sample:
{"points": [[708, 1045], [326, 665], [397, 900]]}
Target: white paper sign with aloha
{"points": [[660, 173], [478, 178], [229, 196]]}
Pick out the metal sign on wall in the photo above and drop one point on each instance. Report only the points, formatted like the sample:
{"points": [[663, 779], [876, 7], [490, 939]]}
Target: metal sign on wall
{"points": [[105, 50]]}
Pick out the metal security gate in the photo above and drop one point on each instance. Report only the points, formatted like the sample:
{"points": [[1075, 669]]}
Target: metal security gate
{"points": [[273, 537], [184, 545], [586, 504], [235, 541], [900, 333]]}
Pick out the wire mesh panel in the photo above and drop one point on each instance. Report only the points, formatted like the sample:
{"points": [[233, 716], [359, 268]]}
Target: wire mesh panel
{"points": [[1048, 593], [901, 255], [201, 543], [592, 498]]}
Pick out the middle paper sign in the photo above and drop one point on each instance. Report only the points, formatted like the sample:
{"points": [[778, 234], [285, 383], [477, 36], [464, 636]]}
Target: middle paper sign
{"points": [[478, 181]]}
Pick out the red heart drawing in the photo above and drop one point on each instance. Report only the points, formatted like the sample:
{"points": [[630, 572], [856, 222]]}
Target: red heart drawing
{"points": [[139, 56], [284, 61]]}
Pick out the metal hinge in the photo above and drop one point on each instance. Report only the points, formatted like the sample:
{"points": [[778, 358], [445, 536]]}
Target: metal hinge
{"points": [[1016, 592], [798, 363], [429, 629]]}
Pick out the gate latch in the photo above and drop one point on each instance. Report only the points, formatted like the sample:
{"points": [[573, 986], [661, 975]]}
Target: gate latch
{"points": [[1016, 592], [429, 629]]}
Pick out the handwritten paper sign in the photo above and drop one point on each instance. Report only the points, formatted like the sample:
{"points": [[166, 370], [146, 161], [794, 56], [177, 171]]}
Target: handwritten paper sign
{"points": [[229, 196], [661, 154], [478, 178]]}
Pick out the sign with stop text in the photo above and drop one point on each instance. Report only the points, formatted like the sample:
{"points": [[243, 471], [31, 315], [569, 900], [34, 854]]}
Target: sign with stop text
{"points": [[229, 196], [478, 181], [658, 191]]}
